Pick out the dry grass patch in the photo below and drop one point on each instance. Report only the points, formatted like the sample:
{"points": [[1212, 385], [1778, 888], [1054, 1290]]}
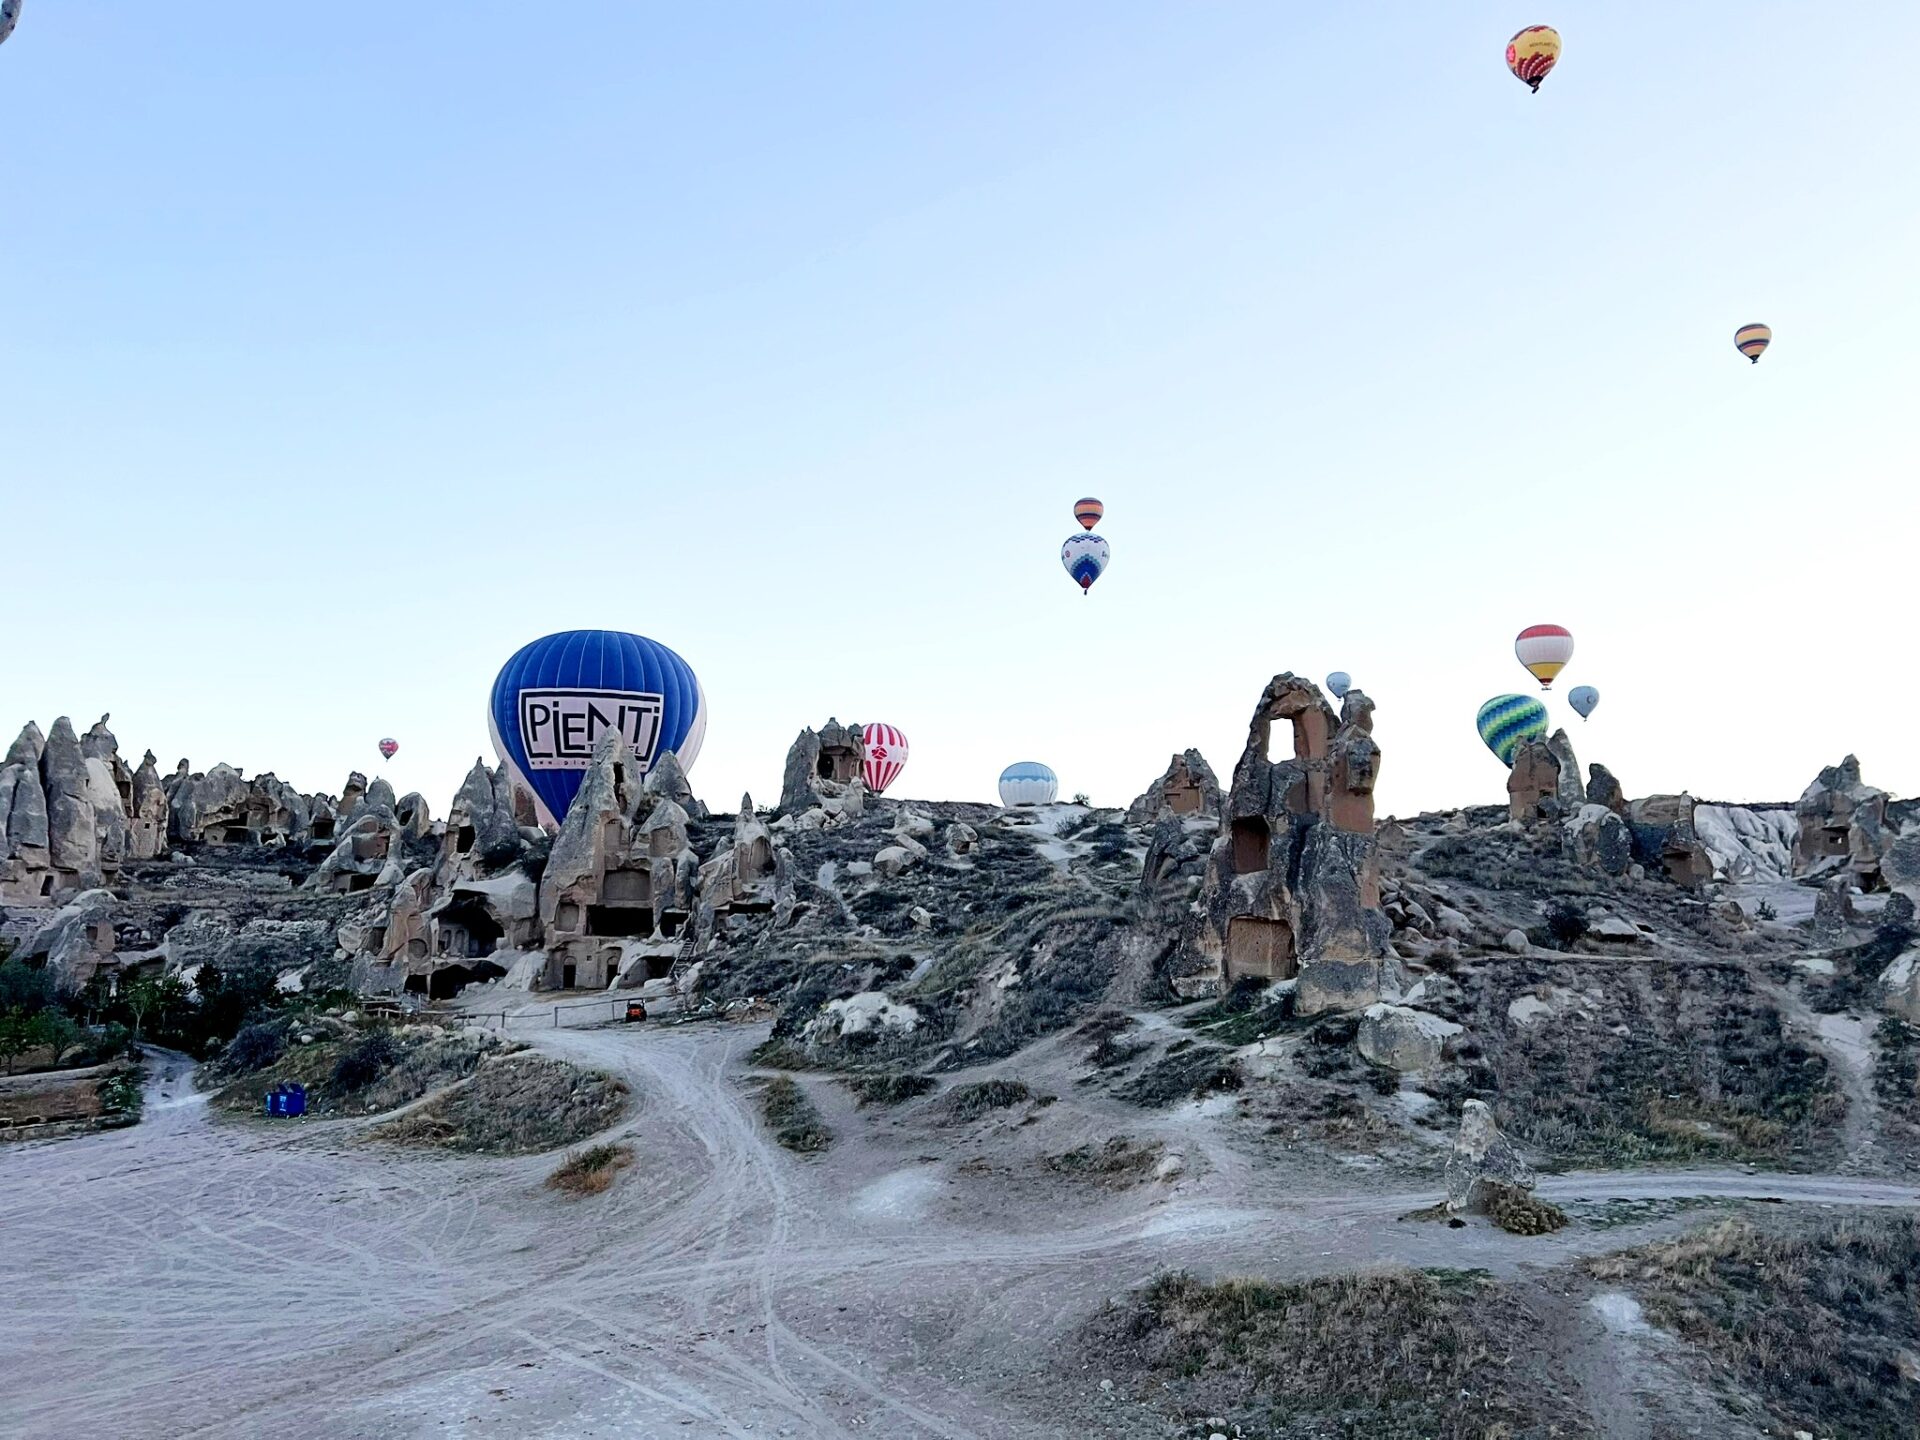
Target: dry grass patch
{"points": [[514, 1106], [592, 1171], [1821, 1324], [792, 1117], [1399, 1355]]}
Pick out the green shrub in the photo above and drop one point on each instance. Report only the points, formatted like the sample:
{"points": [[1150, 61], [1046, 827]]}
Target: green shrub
{"points": [[364, 1062]]}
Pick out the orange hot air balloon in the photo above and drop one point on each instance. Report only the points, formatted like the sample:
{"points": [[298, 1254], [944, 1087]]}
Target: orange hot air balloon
{"points": [[1532, 53], [1088, 512]]}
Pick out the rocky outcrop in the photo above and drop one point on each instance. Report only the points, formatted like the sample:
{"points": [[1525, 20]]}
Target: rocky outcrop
{"points": [[147, 824], [1481, 1159], [1839, 818], [26, 863], [666, 780], [1187, 788], [1399, 1037], [1900, 987], [620, 877], [1533, 783], [1747, 844], [481, 835], [823, 772], [209, 808], [1665, 841], [1597, 839], [1604, 789], [1291, 886], [75, 941]]}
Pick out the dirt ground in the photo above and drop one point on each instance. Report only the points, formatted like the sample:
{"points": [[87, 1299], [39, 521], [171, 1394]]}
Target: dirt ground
{"points": [[228, 1277]]}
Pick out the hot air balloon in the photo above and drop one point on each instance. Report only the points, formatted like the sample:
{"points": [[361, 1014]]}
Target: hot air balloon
{"points": [[1584, 699], [1532, 53], [1088, 512], [1028, 782], [389, 748], [1544, 650], [1506, 720], [558, 697], [1752, 340], [885, 756], [9, 17], [1338, 683], [1085, 557]]}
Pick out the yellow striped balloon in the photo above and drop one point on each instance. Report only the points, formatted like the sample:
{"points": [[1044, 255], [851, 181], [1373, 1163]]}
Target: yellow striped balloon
{"points": [[1751, 340], [1532, 53], [1088, 511]]}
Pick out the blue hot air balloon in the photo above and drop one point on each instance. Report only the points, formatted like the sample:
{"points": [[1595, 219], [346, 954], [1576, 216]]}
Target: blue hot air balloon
{"points": [[1583, 698], [1506, 720], [1028, 782], [1085, 557], [557, 698]]}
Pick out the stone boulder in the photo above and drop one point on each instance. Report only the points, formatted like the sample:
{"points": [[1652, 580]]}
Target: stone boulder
{"points": [[1900, 987], [1604, 789], [209, 808], [1597, 839], [1533, 783], [1401, 1038], [962, 839], [1841, 824], [1482, 1158]]}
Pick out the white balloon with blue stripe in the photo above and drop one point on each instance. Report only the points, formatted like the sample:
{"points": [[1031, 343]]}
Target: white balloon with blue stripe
{"points": [[1028, 782]]}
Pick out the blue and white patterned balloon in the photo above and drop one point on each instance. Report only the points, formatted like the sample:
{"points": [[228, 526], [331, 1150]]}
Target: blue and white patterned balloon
{"points": [[1028, 782], [558, 696], [1085, 557]]}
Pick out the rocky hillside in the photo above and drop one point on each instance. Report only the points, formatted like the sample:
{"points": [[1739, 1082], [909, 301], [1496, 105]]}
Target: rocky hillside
{"points": [[1622, 980]]}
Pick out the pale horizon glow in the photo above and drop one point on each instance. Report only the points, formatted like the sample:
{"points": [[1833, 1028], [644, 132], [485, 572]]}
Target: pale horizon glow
{"points": [[345, 354]]}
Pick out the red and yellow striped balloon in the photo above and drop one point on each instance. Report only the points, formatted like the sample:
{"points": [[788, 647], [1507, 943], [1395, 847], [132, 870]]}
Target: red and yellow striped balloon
{"points": [[1532, 53], [1088, 512], [1544, 650], [1750, 340]]}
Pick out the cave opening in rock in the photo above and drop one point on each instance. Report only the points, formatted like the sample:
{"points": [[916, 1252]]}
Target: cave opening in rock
{"points": [[468, 928], [623, 921], [1252, 844], [1259, 947]]}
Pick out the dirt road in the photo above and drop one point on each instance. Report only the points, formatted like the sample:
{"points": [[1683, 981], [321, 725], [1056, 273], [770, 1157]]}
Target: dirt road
{"points": [[194, 1277]]}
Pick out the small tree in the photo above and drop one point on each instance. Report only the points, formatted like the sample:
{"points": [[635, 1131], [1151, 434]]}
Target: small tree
{"points": [[14, 1040], [149, 996], [55, 1029]]}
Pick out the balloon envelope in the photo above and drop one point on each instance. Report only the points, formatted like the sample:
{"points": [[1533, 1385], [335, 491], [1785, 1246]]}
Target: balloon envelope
{"points": [[1088, 512], [1028, 783], [9, 17], [1750, 340], [1583, 698], [1506, 720], [884, 757], [1544, 650], [1085, 557], [557, 698], [389, 748], [1338, 683], [1532, 53]]}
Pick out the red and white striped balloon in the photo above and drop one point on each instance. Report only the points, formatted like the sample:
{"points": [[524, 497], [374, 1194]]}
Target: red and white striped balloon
{"points": [[885, 756]]}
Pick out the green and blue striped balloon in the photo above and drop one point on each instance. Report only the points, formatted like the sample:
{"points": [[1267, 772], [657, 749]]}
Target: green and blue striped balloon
{"points": [[1506, 720]]}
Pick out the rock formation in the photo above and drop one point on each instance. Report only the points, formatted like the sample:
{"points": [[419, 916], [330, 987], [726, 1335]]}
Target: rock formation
{"points": [[1665, 841], [823, 772], [1292, 886], [1846, 824], [1187, 788], [1482, 1158]]}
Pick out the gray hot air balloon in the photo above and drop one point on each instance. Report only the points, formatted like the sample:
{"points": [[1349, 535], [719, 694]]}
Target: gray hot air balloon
{"points": [[9, 17], [1583, 698]]}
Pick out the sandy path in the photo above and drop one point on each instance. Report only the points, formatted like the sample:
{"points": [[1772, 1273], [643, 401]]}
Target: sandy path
{"points": [[192, 1278]]}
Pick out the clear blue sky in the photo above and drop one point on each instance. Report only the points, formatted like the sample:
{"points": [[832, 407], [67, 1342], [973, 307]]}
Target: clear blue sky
{"points": [[344, 348]]}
